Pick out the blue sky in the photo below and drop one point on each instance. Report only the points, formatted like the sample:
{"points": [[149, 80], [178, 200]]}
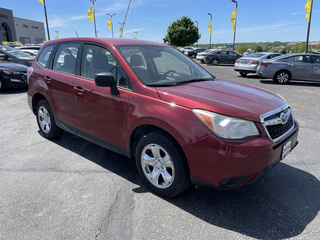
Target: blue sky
{"points": [[258, 21]]}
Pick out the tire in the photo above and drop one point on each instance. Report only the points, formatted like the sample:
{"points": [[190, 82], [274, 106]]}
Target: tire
{"points": [[202, 61], [161, 166], [243, 74], [2, 85], [46, 121], [193, 56], [282, 77], [215, 62]]}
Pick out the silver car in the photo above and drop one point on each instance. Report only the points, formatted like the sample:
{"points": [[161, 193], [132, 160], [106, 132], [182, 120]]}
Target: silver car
{"points": [[249, 63], [298, 66]]}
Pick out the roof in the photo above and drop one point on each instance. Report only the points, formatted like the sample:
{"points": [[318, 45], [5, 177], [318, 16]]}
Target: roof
{"points": [[112, 41]]}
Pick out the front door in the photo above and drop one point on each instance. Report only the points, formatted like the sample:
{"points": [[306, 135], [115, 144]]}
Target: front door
{"points": [[101, 116]]}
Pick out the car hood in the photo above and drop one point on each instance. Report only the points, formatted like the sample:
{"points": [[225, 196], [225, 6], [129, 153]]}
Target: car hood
{"points": [[13, 67], [224, 97]]}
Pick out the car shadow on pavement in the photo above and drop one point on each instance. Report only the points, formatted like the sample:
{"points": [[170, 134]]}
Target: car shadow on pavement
{"points": [[292, 83], [279, 206]]}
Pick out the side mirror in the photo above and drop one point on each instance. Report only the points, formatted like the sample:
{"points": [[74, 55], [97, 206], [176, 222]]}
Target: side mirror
{"points": [[107, 80]]}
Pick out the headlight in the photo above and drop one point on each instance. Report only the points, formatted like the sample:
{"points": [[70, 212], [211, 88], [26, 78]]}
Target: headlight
{"points": [[225, 126]]}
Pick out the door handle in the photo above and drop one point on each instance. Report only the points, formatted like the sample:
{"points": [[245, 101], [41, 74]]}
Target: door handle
{"points": [[47, 79], [78, 90]]}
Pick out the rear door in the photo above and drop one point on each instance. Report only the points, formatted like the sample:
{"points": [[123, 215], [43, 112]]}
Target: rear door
{"points": [[60, 81], [101, 116], [224, 57], [316, 68], [300, 67]]}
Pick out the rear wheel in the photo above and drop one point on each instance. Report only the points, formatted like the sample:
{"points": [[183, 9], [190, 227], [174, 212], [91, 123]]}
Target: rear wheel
{"points": [[215, 62], [46, 121], [161, 165], [282, 77], [243, 74]]}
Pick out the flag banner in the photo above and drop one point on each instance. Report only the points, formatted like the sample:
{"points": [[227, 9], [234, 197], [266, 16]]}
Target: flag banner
{"points": [[56, 37], [110, 24], [135, 37], [120, 30], [308, 9], [41, 1], [90, 13], [234, 19], [209, 26]]}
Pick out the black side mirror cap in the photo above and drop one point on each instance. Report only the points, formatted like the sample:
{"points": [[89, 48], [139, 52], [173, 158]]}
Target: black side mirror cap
{"points": [[107, 80]]}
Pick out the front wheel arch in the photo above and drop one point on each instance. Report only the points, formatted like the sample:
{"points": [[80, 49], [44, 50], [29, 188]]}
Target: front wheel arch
{"points": [[161, 164]]}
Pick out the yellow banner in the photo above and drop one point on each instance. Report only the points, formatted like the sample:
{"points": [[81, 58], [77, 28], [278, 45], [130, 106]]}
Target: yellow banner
{"points": [[308, 9], [110, 24], [41, 1], [90, 13], [209, 26], [234, 19]]}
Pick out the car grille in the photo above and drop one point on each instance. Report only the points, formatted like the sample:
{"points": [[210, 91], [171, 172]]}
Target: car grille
{"points": [[278, 123]]}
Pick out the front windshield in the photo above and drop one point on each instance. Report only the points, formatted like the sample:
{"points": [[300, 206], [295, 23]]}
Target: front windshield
{"points": [[14, 52], [162, 65]]}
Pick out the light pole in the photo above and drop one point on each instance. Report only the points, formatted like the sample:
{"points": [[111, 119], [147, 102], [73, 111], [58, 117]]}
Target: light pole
{"points": [[210, 27], [198, 30], [111, 22], [94, 18], [235, 23]]}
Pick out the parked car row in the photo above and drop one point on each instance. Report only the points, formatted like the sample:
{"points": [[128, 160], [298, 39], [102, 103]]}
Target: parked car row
{"points": [[281, 68]]}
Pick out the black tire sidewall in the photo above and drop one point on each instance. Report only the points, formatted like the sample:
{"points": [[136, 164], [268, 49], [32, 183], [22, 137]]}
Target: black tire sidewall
{"points": [[3, 85], [181, 179]]}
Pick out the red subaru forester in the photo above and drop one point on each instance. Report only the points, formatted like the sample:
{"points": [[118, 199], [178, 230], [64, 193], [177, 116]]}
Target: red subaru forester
{"points": [[150, 102]]}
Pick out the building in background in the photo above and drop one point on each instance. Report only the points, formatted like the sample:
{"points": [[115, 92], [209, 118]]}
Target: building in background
{"points": [[18, 29]]}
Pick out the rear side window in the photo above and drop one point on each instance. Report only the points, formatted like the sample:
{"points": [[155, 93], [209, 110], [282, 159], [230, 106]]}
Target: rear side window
{"points": [[65, 58], [45, 56]]}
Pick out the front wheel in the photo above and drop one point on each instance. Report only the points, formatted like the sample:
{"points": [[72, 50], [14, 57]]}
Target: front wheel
{"points": [[161, 165], [2, 85], [215, 62], [46, 121], [282, 77]]}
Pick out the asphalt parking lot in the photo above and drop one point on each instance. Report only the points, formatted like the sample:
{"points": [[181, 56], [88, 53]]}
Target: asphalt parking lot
{"points": [[72, 189]]}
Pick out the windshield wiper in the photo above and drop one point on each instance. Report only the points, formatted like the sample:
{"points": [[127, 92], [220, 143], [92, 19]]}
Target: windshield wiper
{"points": [[194, 80]]}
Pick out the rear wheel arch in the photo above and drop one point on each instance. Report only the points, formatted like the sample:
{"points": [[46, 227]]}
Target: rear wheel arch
{"points": [[36, 98]]}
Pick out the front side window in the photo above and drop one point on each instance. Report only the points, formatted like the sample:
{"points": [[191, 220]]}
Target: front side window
{"points": [[162, 65], [96, 59], [65, 58]]}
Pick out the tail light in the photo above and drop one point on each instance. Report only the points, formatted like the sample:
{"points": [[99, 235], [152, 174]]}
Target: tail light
{"points": [[237, 61], [29, 72], [265, 64], [254, 62]]}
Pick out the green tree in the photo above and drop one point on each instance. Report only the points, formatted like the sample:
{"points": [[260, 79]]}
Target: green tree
{"points": [[299, 47], [258, 48], [183, 32], [242, 48]]}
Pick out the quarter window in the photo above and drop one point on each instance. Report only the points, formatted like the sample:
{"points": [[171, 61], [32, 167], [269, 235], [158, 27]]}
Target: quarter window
{"points": [[45, 56]]}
